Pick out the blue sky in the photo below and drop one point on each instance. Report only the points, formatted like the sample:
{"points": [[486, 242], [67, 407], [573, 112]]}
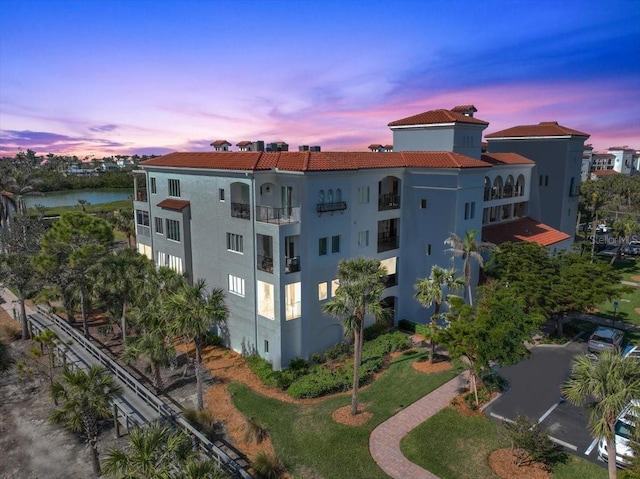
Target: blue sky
{"points": [[97, 77]]}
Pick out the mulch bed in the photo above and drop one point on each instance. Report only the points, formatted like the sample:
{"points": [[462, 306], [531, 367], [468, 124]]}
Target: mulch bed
{"points": [[502, 462]]}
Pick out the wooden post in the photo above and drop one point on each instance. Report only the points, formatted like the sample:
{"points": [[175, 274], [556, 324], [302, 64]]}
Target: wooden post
{"points": [[115, 419]]}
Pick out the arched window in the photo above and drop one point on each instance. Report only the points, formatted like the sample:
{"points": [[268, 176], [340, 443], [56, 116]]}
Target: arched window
{"points": [[321, 196], [338, 195], [330, 196], [508, 187], [487, 188], [496, 194], [520, 186]]}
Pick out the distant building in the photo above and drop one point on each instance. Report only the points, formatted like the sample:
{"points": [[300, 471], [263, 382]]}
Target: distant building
{"points": [[221, 145]]}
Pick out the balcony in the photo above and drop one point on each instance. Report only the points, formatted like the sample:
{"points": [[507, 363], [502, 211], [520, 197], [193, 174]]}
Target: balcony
{"points": [[391, 280], [241, 210], [388, 242], [292, 265], [388, 201], [141, 195], [270, 214], [330, 207], [265, 263], [142, 230]]}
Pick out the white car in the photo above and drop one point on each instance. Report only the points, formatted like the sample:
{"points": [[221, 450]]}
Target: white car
{"points": [[602, 228], [624, 435]]}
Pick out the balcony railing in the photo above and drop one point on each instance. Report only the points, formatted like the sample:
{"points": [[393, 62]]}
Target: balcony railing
{"points": [[142, 230], [265, 263], [241, 210], [270, 214], [141, 195], [327, 207], [292, 265], [387, 242], [388, 201], [391, 280]]}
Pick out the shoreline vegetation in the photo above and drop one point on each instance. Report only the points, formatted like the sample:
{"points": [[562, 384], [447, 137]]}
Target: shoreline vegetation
{"points": [[99, 208]]}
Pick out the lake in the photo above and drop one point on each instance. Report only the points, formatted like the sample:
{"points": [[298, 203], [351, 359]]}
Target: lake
{"points": [[71, 197]]}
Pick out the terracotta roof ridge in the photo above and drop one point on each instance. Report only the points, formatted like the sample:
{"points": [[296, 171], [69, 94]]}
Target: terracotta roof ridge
{"points": [[255, 163], [307, 159]]}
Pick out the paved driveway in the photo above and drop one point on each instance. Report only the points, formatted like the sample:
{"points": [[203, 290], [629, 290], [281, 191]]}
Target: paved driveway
{"points": [[534, 391]]}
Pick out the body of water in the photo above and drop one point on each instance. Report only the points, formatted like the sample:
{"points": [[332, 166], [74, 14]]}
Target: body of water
{"points": [[71, 197]]}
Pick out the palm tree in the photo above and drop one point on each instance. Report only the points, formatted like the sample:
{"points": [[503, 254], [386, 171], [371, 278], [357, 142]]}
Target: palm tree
{"points": [[361, 284], [194, 313], [430, 292], [85, 397], [122, 275], [622, 229], [22, 184], [153, 452], [606, 386], [154, 346], [468, 249], [122, 220]]}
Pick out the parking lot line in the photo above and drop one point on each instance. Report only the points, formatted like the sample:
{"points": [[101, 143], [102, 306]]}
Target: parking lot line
{"points": [[564, 444], [549, 411], [591, 446]]}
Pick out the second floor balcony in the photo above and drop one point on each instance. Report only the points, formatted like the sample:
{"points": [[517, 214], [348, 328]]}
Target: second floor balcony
{"points": [[270, 214], [388, 242], [388, 201]]}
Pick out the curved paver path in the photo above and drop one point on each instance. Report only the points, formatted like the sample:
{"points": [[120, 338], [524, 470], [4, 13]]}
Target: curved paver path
{"points": [[384, 442]]}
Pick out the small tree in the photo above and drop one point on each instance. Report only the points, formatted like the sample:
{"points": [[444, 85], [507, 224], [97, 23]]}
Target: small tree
{"points": [[530, 443], [48, 341]]}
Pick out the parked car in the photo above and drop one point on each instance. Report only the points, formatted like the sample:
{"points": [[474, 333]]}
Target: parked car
{"points": [[633, 248], [624, 427], [602, 228], [631, 351], [604, 338]]}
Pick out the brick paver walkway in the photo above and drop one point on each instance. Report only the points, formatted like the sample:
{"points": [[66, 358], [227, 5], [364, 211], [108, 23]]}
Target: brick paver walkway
{"points": [[384, 442]]}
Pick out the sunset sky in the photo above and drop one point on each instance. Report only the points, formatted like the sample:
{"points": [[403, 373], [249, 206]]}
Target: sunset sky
{"points": [[95, 77]]}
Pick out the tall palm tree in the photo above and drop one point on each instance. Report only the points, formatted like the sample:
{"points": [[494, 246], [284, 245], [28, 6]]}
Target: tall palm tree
{"points": [[194, 313], [84, 398], [468, 249], [430, 292], [361, 284], [23, 183], [122, 275], [154, 346], [153, 451], [606, 386]]}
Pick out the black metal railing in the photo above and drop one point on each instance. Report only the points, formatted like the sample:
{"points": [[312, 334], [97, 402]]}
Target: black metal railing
{"points": [[327, 207], [241, 210], [270, 214], [265, 263], [391, 280], [292, 265], [388, 201], [387, 242]]}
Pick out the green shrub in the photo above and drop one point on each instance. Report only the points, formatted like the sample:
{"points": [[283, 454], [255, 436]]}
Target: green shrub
{"points": [[298, 364], [263, 370], [337, 350], [531, 443], [213, 339], [407, 326], [322, 381], [494, 383], [267, 465], [375, 330]]}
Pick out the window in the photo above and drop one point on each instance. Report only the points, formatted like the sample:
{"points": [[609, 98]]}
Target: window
{"points": [[234, 243], [428, 249], [174, 188], [266, 346], [153, 185], [221, 194], [335, 244], [173, 262], [487, 188], [334, 287], [363, 238], [265, 300], [469, 210], [423, 204], [330, 196], [322, 291], [546, 180], [142, 217], [159, 226], [173, 230], [363, 194], [321, 196], [540, 180], [292, 299], [322, 246], [236, 285], [338, 195]]}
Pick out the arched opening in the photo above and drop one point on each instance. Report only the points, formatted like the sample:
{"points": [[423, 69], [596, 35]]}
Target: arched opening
{"points": [[520, 186], [508, 187], [496, 192], [487, 188], [389, 193], [240, 201]]}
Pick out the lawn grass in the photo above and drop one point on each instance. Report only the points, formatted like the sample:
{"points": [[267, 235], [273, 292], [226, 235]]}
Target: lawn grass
{"points": [[310, 442], [627, 302], [456, 447]]}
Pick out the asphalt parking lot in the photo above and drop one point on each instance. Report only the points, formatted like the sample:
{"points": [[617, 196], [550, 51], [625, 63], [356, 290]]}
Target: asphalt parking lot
{"points": [[534, 391]]}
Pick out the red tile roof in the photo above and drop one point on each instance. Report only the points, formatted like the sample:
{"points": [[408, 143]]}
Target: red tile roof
{"points": [[171, 204], [314, 160], [374, 146], [244, 143], [434, 117], [220, 143], [388, 147], [544, 128], [506, 159], [604, 172], [464, 108], [523, 229], [603, 155], [615, 148]]}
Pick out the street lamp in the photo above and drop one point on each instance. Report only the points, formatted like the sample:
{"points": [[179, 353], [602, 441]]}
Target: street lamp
{"points": [[615, 309]]}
